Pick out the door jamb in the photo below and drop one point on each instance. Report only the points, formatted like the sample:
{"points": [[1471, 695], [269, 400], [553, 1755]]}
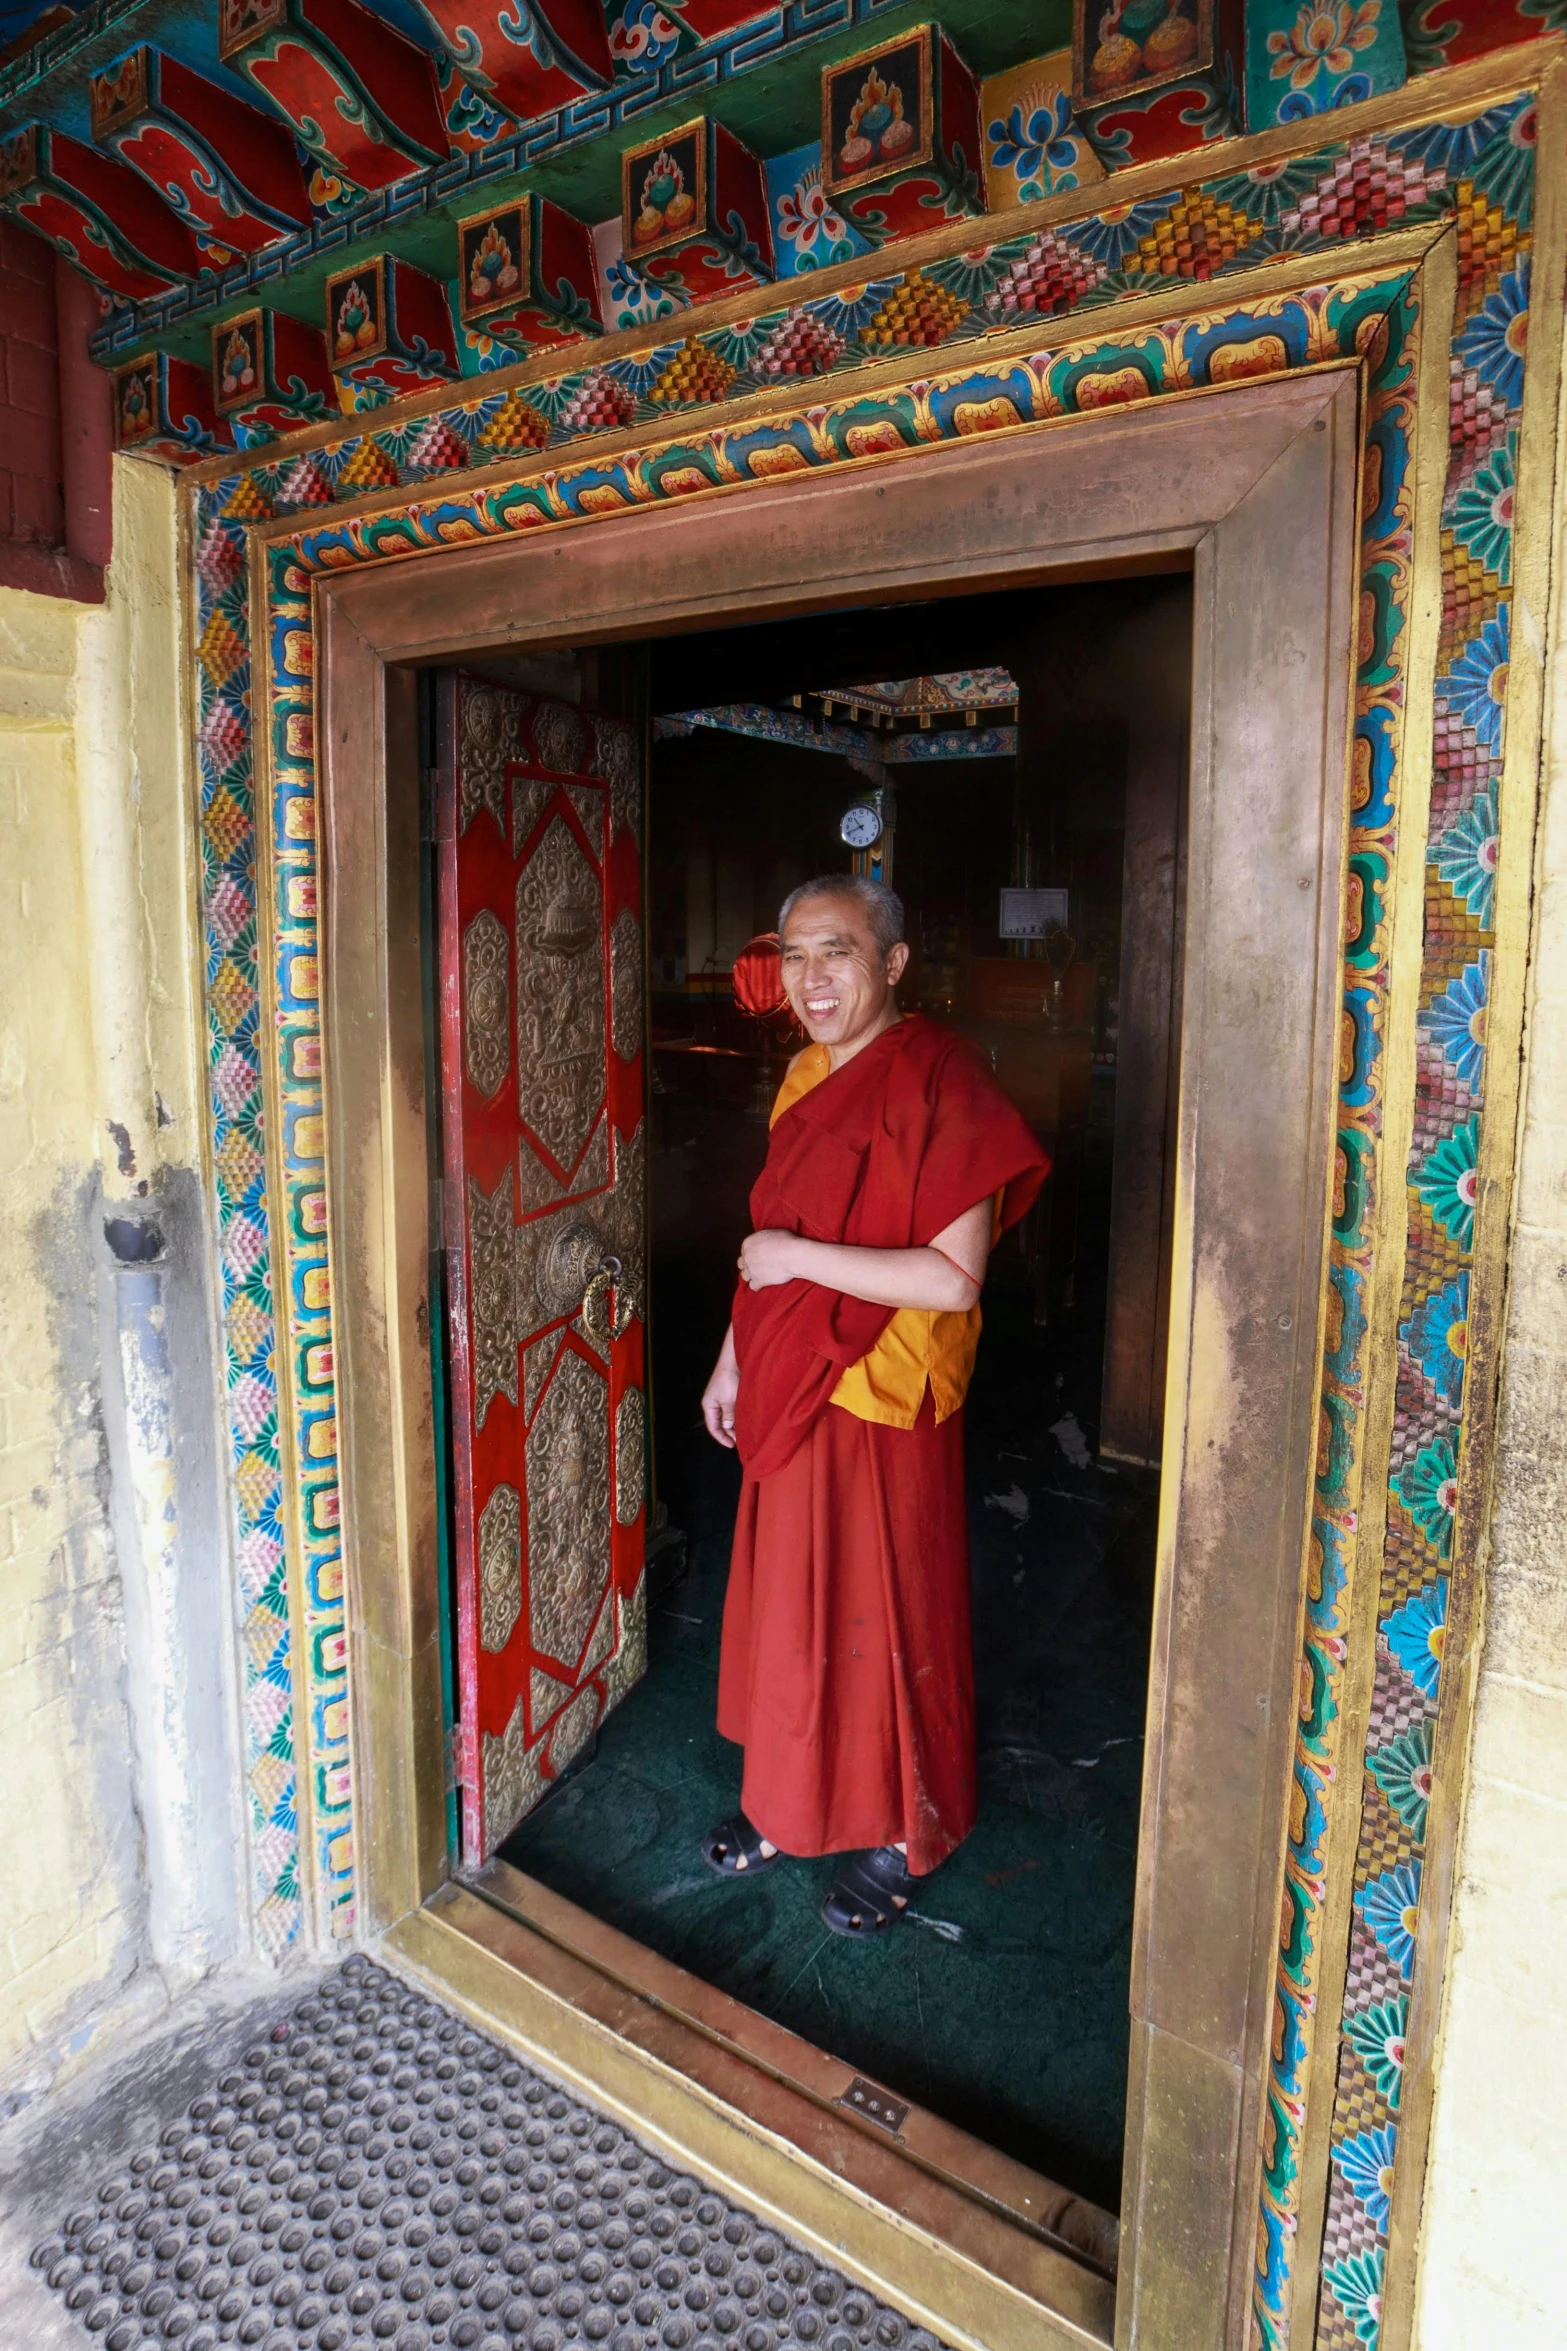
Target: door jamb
{"points": [[1274, 467]]}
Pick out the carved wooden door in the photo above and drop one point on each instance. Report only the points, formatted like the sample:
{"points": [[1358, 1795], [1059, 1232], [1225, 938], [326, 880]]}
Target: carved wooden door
{"points": [[545, 1147]]}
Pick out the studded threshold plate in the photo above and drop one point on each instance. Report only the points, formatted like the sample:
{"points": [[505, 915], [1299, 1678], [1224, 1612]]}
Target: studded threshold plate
{"points": [[376, 2173]]}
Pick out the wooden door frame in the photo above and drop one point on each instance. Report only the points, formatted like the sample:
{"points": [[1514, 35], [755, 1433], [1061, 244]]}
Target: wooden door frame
{"points": [[1224, 482]]}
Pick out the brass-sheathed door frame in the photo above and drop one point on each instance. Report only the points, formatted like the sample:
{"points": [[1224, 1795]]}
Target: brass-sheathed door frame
{"points": [[1254, 489]]}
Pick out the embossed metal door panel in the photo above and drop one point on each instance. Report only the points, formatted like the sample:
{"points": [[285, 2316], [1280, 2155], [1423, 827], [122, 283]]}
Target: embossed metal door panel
{"points": [[545, 1151]]}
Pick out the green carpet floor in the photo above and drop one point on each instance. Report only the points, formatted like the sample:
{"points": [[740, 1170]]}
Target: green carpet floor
{"points": [[1002, 2002]]}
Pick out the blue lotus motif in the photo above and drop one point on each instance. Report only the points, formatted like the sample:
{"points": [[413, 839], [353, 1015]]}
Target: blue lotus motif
{"points": [[1465, 857], [1496, 338], [1041, 148], [1437, 1337], [1365, 2163], [1117, 231], [1474, 690], [1415, 1634], [1390, 1907], [1455, 1022]]}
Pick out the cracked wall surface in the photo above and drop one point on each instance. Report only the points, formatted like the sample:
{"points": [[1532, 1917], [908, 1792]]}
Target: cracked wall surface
{"points": [[70, 1895], [73, 1893]]}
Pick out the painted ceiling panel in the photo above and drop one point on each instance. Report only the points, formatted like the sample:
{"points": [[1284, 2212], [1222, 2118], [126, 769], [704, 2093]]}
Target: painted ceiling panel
{"points": [[762, 83], [19, 16]]}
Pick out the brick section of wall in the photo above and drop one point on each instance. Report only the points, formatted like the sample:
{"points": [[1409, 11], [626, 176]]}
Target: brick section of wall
{"points": [[32, 500], [54, 425]]}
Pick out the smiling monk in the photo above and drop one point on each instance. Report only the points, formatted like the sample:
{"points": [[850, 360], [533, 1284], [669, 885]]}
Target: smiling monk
{"points": [[847, 1670]]}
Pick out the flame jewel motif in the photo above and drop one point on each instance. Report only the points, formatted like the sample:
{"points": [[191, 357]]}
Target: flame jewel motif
{"points": [[493, 271], [355, 321]]}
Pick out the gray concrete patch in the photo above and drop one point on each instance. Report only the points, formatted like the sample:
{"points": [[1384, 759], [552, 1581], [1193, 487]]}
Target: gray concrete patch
{"points": [[358, 2169], [55, 2152]]}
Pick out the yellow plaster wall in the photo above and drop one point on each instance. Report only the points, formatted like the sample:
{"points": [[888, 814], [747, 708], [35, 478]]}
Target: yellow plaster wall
{"points": [[72, 1901], [1493, 2249]]}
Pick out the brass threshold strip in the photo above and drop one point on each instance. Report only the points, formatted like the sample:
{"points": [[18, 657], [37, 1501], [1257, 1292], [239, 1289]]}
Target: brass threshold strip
{"points": [[1082, 2231], [962, 2240]]}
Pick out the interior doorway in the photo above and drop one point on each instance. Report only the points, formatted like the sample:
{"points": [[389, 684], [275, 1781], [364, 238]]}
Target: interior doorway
{"points": [[981, 2243], [1024, 800]]}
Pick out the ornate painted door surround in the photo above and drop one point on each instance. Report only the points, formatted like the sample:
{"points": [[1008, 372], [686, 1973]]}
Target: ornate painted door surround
{"points": [[540, 826], [1404, 247]]}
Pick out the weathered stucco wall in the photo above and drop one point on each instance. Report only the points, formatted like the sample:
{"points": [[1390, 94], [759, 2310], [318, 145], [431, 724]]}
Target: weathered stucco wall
{"points": [[71, 1906], [77, 1904], [1493, 2251]]}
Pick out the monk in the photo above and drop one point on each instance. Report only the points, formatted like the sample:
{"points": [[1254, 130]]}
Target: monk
{"points": [[846, 1670]]}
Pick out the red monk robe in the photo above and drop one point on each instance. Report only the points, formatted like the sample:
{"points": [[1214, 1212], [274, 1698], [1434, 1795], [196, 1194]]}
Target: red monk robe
{"points": [[847, 1667]]}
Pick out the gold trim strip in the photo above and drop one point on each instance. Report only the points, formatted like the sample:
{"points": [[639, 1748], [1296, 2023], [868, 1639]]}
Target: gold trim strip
{"points": [[1027, 2199]]}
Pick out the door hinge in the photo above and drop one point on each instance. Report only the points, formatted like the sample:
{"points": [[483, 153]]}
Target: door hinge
{"points": [[437, 805], [445, 1215], [462, 1758]]}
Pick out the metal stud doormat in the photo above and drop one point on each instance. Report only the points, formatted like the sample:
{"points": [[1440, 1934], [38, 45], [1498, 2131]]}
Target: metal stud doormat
{"points": [[377, 2174]]}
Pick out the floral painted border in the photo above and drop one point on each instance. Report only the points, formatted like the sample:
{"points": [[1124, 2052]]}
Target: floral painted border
{"points": [[1198, 235], [1476, 171], [1486, 382]]}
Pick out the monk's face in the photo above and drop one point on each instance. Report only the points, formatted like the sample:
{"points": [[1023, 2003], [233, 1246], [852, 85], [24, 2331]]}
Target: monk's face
{"points": [[838, 980]]}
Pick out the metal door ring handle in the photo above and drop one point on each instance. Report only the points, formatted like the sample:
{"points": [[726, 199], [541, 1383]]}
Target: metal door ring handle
{"points": [[603, 1322]]}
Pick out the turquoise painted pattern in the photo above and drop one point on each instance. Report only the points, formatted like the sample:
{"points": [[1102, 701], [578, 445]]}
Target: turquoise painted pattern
{"points": [[1470, 722]]}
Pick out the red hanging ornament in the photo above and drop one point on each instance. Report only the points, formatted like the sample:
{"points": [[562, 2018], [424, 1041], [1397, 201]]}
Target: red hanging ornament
{"points": [[758, 978]]}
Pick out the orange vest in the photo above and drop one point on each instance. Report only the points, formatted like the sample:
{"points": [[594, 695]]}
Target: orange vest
{"points": [[920, 1347]]}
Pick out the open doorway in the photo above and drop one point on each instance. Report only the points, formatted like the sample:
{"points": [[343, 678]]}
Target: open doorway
{"points": [[1224, 482], [1032, 744]]}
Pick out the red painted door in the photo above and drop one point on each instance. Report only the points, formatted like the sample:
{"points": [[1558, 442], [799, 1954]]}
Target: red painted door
{"points": [[540, 817]]}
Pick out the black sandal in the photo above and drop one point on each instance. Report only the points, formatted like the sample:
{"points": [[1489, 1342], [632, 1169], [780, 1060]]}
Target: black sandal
{"points": [[870, 1892], [734, 1849]]}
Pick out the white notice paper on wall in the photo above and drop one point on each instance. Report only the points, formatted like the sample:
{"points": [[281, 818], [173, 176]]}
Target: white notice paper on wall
{"points": [[1028, 914]]}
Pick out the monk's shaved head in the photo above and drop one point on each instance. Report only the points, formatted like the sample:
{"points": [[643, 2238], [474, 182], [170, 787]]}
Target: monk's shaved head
{"points": [[879, 906], [841, 954]]}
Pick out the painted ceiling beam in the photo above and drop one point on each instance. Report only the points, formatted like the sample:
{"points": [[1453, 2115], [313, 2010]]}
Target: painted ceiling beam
{"points": [[101, 215], [270, 375], [70, 46], [527, 57], [163, 408], [785, 32], [389, 330], [870, 755], [360, 96], [229, 171], [525, 275]]}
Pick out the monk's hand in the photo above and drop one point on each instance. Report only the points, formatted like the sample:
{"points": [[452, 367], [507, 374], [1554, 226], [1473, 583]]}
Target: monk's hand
{"points": [[720, 1394], [766, 1259]]}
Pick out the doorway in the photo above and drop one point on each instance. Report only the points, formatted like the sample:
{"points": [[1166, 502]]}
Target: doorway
{"points": [[1004, 759], [1223, 483]]}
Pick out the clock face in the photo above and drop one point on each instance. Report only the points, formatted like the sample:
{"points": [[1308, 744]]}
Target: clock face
{"points": [[861, 825]]}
